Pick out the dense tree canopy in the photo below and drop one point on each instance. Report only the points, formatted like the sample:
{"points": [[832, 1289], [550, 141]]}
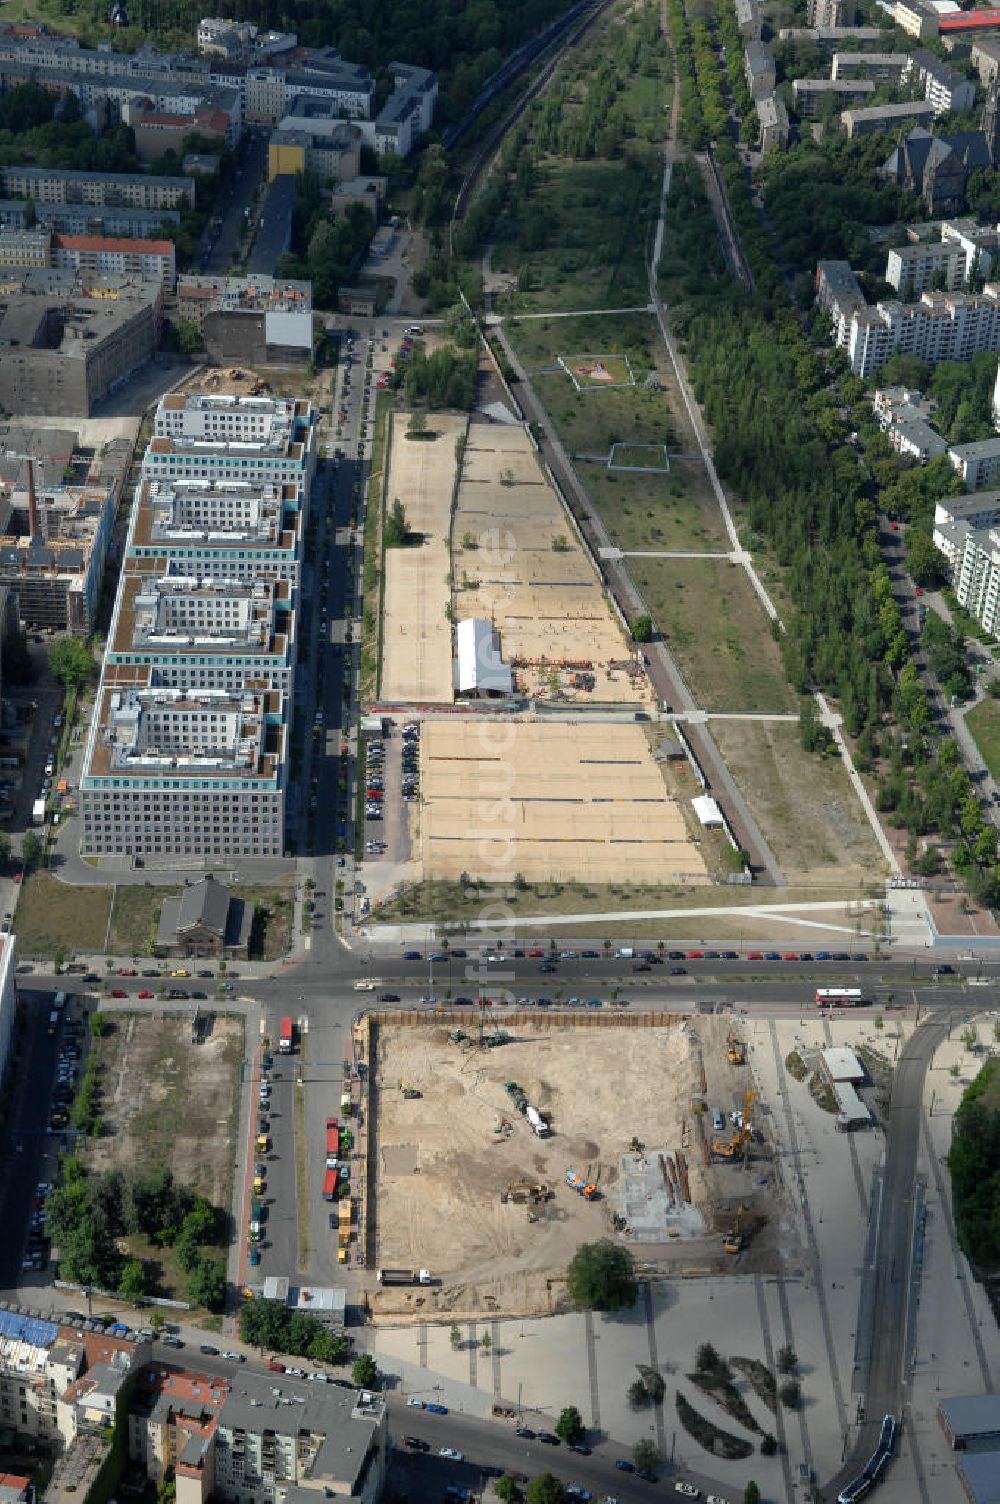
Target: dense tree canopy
{"points": [[270, 1324], [601, 1277], [974, 1162]]}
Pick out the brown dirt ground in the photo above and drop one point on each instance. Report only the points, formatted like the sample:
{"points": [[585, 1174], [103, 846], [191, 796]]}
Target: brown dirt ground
{"points": [[165, 1101], [440, 1152]]}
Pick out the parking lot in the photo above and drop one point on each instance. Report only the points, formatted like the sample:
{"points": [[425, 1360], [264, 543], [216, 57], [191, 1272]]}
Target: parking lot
{"points": [[392, 789]]}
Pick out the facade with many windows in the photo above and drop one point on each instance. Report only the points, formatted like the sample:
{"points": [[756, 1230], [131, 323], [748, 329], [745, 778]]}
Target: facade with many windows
{"points": [[187, 755]]}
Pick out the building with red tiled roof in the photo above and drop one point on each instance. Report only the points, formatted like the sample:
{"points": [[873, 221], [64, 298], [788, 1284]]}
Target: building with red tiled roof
{"points": [[117, 256], [158, 132]]}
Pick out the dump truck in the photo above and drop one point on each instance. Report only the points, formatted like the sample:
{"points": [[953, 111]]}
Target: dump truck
{"points": [[539, 1126], [405, 1277]]}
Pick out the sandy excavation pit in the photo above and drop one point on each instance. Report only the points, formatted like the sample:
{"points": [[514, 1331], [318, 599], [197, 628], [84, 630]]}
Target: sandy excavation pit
{"points": [[442, 1167]]}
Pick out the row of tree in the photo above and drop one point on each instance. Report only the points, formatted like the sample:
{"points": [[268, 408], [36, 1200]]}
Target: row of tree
{"points": [[88, 1215], [974, 1162], [269, 1324]]}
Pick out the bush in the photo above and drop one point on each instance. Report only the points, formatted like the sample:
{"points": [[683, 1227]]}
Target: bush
{"points": [[646, 1456], [707, 1360], [638, 1395], [570, 1427], [365, 1372], [790, 1394], [768, 1446], [787, 1359]]}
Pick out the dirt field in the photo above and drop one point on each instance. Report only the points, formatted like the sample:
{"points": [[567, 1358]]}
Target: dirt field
{"points": [[552, 801], [528, 574], [416, 651], [441, 1151], [807, 810], [166, 1101]]}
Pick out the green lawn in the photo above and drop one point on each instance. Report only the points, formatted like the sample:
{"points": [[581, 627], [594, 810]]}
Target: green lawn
{"points": [[718, 632], [675, 511], [134, 918], [540, 341], [590, 422], [54, 916], [984, 723]]}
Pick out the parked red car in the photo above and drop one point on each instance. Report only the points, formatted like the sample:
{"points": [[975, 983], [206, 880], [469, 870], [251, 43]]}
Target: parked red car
{"points": [[275, 1366], [119, 992]]}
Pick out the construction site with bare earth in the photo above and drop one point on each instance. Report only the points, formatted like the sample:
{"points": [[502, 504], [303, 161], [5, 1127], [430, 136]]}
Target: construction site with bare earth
{"points": [[531, 1134]]}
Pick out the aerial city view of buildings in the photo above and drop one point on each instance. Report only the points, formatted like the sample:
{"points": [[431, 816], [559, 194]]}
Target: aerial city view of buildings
{"points": [[500, 752]]}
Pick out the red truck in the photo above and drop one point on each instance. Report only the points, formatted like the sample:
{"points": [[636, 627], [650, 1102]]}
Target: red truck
{"points": [[286, 1036]]}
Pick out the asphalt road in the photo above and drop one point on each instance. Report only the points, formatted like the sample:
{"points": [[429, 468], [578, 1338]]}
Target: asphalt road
{"points": [[220, 248]]}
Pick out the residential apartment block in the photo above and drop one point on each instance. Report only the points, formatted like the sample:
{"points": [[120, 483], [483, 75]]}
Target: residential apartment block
{"points": [[830, 38], [839, 294], [53, 548], [965, 250], [772, 118], [217, 529], [944, 86], [940, 326], [759, 68], [830, 12], [973, 555], [976, 463], [956, 516], [882, 65], [885, 117], [985, 58], [187, 755], [57, 185], [8, 1017], [259, 440], [67, 339], [79, 219], [312, 137], [904, 417], [252, 321], [258, 1439], [117, 257], [55, 1380], [809, 94], [748, 19]]}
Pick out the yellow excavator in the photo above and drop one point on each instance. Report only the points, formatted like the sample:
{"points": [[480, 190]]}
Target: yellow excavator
{"points": [[733, 1240], [732, 1148]]}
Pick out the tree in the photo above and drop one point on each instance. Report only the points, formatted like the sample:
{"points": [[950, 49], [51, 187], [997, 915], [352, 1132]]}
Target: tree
{"points": [[787, 1359], [924, 562], [751, 1494], [638, 1395], [365, 1372], [455, 1336], [132, 1282], [646, 1456], [189, 340], [768, 1446], [545, 1489], [791, 1394], [569, 1426], [72, 662], [4, 847], [642, 628], [506, 1489], [396, 533], [32, 849], [601, 1277], [206, 1284], [707, 1359]]}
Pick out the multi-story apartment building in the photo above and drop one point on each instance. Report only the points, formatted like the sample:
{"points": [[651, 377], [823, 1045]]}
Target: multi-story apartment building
{"points": [[829, 38], [944, 87], [8, 1000], [67, 341], [184, 774], [47, 1376], [956, 516], [810, 94], [918, 17], [772, 117], [830, 12], [57, 185], [839, 294], [118, 257], [24, 248], [258, 1439], [250, 320], [941, 326], [200, 631], [258, 440], [53, 549], [220, 529], [187, 756], [78, 219], [986, 60], [976, 463], [883, 65], [407, 113], [759, 69], [748, 19], [886, 117]]}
